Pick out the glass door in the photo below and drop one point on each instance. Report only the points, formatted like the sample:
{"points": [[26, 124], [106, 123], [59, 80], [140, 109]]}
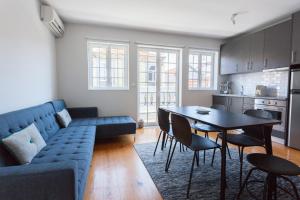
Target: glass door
{"points": [[157, 81]]}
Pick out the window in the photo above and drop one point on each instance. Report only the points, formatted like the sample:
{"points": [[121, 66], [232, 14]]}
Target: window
{"points": [[202, 69], [107, 65]]}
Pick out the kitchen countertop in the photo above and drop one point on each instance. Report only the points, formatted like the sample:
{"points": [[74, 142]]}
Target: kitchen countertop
{"points": [[252, 96]]}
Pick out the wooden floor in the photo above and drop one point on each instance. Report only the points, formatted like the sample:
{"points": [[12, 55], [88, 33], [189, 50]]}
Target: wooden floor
{"points": [[118, 173]]}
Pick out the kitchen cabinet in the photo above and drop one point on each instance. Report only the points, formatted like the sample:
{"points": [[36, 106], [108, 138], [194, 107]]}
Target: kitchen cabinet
{"points": [[296, 39], [256, 52], [277, 45], [244, 54], [235, 104], [229, 64], [220, 100]]}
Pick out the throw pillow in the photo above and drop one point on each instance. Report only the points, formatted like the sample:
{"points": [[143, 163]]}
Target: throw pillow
{"points": [[64, 118], [25, 144]]}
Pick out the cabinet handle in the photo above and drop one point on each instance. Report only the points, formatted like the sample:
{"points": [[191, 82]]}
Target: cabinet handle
{"points": [[265, 62], [293, 57], [251, 65]]}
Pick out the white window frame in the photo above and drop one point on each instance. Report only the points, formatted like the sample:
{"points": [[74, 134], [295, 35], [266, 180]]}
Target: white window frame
{"points": [[108, 45], [214, 70]]}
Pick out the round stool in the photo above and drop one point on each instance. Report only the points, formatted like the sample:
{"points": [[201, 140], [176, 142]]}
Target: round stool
{"points": [[275, 167]]}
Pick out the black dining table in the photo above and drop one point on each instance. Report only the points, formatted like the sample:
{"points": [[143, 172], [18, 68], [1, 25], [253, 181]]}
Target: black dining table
{"points": [[226, 121]]}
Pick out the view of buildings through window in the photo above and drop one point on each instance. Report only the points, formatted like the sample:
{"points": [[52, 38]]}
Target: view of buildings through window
{"points": [[201, 69], [108, 65]]}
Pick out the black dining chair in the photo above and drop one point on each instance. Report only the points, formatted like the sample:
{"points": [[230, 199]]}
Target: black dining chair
{"points": [[164, 125], [206, 129], [183, 134], [275, 167], [251, 136]]}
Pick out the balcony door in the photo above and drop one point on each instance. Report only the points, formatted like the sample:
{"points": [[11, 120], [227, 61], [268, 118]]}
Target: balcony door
{"points": [[157, 81]]}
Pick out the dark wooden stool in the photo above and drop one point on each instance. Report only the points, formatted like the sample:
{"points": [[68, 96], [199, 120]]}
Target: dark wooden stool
{"points": [[275, 167]]}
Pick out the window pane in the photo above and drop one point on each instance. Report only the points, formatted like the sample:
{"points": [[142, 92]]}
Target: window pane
{"points": [[109, 73], [201, 69]]}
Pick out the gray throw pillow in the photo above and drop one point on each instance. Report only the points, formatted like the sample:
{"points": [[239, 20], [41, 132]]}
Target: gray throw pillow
{"points": [[25, 144], [64, 118]]}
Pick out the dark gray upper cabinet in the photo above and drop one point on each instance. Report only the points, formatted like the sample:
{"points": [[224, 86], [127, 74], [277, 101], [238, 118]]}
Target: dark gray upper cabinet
{"points": [[244, 54], [277, 45], [256, 52], [229, 64], [296, 39]]}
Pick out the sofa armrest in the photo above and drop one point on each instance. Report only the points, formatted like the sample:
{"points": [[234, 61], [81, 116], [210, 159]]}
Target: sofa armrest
{"points": [[39, 181], [87, 112]]}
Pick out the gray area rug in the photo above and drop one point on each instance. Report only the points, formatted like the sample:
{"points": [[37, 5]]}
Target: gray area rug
{"points": [[206, 179]]}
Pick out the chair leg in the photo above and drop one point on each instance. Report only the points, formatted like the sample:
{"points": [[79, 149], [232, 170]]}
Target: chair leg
{"points": [[213, 157], [170, 159], [191, 174], [157, 142], [180, 147], [241, 165], [245, 182], [167, 138], [197, 159], [169, 153], [293, 185], [228, 151]]}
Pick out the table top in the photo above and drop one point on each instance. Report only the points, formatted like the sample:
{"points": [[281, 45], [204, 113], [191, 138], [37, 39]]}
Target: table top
{"points": [[220, 119]]}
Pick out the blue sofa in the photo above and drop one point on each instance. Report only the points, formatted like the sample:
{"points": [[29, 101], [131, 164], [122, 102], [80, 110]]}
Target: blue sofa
{"points": [[60, 170]]}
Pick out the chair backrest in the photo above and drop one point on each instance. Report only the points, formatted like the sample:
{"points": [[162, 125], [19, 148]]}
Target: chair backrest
{"points": [[163, 120], [181, 129], [256, 131], [219, 107]]}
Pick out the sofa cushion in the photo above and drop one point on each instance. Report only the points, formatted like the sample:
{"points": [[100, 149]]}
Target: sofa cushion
{"points": [[64, 118], [25, 144], [72, 143], [43, 116], [108, 126]]}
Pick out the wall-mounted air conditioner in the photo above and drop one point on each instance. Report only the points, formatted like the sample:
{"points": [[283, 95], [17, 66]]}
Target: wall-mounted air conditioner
{"points": [[52, 20]]}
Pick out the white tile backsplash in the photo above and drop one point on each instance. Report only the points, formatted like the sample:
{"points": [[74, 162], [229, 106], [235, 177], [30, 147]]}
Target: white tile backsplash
{"points": [[276, 82]]}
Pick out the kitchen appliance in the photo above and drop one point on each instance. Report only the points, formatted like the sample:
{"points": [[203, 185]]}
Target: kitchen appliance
{"points": [[261, 91], [225, 87], [278, 110], [294, 108]]}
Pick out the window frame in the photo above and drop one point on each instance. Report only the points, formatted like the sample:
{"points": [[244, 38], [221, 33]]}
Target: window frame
{"points": [[108, 45], [214, 68]]}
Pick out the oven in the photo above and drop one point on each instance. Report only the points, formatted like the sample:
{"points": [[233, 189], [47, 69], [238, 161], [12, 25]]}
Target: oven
{"points": [[278, 110]]}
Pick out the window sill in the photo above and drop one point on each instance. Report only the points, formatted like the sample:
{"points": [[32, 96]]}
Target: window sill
{"points": [[108, 89], [202, 89]]}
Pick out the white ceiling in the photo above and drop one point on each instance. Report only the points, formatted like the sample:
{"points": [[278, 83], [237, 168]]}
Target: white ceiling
{"points": [[195, 17]]}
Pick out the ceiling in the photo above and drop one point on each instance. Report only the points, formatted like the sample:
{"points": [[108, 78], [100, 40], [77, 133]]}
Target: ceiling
{"points": [[194, 17]]}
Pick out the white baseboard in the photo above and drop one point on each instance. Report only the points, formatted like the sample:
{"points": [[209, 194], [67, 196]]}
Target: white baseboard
{"points": [[277, 140]]}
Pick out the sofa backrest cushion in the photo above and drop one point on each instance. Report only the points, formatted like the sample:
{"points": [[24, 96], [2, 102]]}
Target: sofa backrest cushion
{"points": [[43, 116], [59, 105]]}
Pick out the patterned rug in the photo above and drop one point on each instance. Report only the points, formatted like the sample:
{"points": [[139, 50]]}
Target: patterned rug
{"points": [[206, 179]]}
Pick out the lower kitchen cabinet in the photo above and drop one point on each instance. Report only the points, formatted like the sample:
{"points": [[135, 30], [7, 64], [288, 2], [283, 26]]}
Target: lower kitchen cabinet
{"points": [[234, 104]]}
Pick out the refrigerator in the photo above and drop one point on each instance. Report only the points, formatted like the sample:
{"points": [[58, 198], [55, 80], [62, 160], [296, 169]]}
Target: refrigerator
{"points": [[294, 108]]}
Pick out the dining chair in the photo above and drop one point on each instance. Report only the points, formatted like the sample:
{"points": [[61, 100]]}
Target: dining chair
{"points": [[206, 129], [275, 167], [183, 134], [251, 136], [164, 125]]}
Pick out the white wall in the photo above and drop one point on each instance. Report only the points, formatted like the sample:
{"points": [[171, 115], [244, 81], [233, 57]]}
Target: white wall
{"points": [[73, 71], [27, 56]]}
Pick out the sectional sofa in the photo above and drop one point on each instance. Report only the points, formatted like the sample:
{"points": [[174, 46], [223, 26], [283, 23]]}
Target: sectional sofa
{"points": [[60, 170]]}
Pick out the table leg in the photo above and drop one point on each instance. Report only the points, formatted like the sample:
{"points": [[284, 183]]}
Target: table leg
{"points": [[223, 165], [268, 139], [163, 140]]}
